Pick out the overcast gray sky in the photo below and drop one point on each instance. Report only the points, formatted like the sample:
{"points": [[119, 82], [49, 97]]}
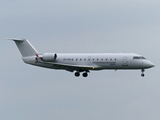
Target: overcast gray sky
{"points": [[77, 26]]}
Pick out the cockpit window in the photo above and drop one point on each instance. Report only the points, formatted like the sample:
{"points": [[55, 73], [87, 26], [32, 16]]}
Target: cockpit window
{"points": [[139, 57], [142, 57]]}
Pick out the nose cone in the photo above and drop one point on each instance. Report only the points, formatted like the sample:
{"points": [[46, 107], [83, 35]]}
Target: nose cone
{"points": [[149, 64]]}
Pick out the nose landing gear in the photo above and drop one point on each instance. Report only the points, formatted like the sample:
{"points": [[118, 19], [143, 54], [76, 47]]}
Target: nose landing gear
{"points": [[142, 74]]}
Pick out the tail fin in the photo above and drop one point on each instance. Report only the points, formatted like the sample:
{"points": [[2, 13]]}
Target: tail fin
{"points": [[25, 47]]}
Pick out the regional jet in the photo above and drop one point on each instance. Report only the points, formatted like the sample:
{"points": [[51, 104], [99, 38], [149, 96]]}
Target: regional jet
{"points": [[82, 62]]}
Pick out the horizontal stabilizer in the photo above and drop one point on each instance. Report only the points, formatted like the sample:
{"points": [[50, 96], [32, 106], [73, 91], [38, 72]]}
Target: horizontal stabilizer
{"points": [[16, 39]]}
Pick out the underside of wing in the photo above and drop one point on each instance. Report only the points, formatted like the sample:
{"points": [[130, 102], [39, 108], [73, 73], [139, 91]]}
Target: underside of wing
{"points": [[71, 68]]}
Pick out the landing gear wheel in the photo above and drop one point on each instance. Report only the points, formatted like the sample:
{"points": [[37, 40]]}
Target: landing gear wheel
{"points": [[77, 74], [142, 72], [85, 74], [142, 75]]}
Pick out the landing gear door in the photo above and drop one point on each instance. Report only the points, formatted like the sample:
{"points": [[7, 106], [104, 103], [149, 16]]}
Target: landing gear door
{"points": [[125, 61]]}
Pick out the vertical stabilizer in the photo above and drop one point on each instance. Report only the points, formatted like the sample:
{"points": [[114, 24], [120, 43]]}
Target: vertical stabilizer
{"points": [[25, 47]]}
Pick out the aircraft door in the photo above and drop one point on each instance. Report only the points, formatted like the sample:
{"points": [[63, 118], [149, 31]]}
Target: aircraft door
{"points": [[125, 61]]}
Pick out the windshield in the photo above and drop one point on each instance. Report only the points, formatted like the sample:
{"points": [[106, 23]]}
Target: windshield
{"points": [[139, 57]]}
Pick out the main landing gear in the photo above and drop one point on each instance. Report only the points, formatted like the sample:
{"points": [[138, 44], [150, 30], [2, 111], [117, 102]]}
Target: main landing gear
{"points": [[142, 72], [77, 74], [85, 74]]}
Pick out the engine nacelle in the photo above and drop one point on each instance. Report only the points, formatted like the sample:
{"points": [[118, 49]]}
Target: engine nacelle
{"points": [[49, 57]]}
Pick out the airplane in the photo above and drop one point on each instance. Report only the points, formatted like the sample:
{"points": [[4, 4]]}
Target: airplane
{"points": [[82, 62]]}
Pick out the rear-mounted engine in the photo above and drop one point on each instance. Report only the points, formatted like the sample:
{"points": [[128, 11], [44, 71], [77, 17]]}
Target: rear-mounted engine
{"points": [[49, 57]]}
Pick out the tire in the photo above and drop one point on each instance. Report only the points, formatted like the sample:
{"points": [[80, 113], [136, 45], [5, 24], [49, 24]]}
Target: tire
{"points": [[85, 74], [142, 75], [77, 74]]}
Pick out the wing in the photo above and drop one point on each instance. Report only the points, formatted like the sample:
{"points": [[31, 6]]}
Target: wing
{"points": [[69, 67]]}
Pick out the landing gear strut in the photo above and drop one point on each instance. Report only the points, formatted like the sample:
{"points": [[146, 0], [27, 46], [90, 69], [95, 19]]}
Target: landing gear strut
{"points": [[142, 72]]}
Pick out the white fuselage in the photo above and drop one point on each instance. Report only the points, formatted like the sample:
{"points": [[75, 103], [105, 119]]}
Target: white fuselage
{"points": [[96, 61]]}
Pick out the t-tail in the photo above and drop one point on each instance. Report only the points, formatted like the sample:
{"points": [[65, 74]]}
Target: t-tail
{"points": [[25, 47]]}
